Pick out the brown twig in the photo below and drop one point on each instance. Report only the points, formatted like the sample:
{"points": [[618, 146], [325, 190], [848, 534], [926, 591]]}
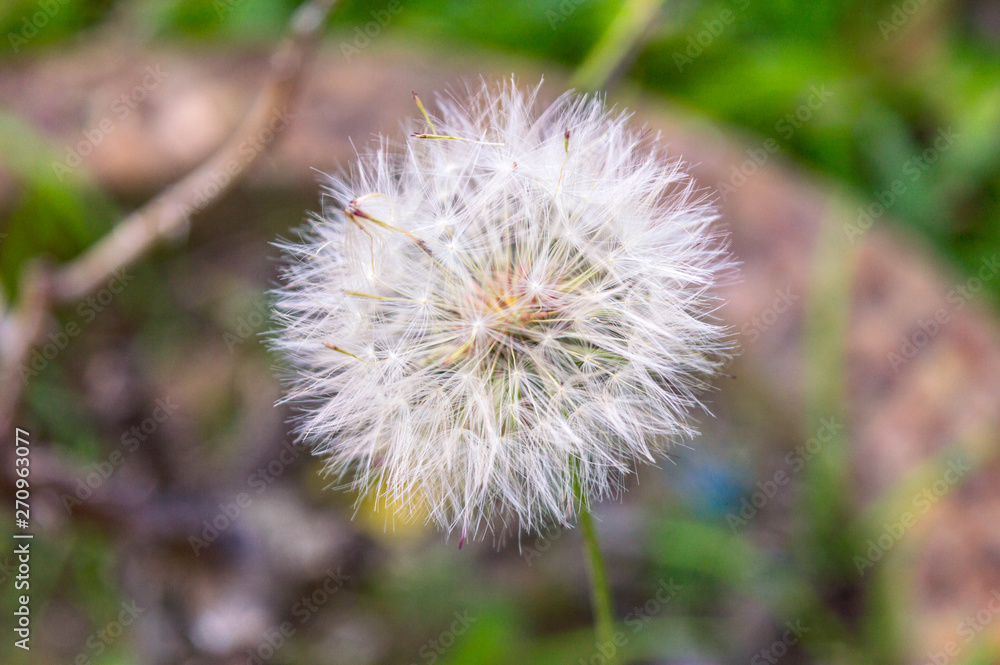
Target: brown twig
{"points": [[166, 215], [25, 327]]}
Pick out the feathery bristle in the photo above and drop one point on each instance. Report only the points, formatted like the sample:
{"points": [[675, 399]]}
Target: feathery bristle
{"points": [[491, 330]]}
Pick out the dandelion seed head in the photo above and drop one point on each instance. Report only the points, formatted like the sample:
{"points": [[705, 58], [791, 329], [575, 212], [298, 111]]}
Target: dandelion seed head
{"points": [[493, 329]]}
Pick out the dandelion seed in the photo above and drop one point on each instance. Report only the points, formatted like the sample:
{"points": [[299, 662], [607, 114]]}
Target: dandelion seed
{"points": [[492, 346]]}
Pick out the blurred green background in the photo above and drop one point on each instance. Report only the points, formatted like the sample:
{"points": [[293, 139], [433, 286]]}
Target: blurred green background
{"points": [[901, 72]]}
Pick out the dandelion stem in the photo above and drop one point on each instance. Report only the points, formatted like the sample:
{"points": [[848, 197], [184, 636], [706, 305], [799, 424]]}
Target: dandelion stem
{"points": [[600, 592]]}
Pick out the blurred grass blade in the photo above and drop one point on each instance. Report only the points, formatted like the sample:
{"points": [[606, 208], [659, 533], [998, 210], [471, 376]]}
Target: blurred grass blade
{"points": [[620, 42]]}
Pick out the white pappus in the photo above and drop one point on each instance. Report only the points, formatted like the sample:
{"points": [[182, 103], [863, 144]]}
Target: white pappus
{"points": [[491, 324]]}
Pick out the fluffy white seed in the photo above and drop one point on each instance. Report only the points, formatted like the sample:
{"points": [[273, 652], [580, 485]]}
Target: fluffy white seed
{"points": [[491, 325]]}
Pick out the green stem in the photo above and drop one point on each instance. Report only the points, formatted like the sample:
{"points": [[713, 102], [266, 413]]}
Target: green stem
{"points": [[622, 39], [600, 592]]}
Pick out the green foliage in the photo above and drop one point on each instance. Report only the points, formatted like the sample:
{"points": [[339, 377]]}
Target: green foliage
{"points": [[57, 214], [27, 25], [750, 64]]}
